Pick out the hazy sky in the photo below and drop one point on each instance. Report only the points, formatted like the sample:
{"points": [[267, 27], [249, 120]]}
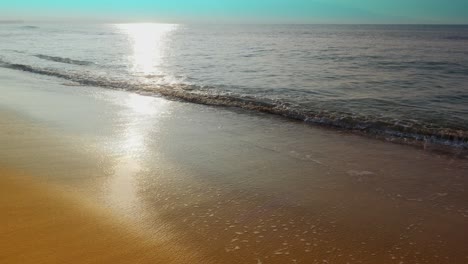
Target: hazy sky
{"points": [[242, 11]]}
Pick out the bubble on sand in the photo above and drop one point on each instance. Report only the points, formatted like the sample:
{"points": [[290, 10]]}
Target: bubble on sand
{"points": [[229, 249], [359, 173]]}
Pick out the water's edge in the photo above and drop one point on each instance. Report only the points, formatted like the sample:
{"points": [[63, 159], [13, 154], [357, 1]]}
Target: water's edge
{"points": [[445, 140]]}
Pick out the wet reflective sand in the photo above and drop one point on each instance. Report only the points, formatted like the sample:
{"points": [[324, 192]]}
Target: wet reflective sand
{"points": [[218, 186]]}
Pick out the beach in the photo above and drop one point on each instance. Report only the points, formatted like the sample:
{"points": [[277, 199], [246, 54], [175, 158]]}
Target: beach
{"points": [[43, 224], [92, 175]]}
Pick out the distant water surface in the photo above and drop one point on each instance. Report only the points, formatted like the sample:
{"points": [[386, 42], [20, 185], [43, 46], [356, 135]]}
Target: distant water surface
{"points": [[407, 82]]}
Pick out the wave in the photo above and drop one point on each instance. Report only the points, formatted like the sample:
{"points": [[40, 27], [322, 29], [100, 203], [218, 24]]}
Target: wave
{"points": [[29, 27], [15, 51], [395, 131], [457, 38], [63, 60]]}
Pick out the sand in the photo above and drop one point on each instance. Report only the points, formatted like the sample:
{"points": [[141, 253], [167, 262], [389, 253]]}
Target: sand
{"points": [[211, 185], [40, 224]]}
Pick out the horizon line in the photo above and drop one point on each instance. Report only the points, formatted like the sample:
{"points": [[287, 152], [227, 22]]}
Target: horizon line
{"points": [[20, 21]]}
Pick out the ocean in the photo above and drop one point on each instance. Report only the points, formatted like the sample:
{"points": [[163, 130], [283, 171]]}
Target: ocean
{"points": [[400, 82]]}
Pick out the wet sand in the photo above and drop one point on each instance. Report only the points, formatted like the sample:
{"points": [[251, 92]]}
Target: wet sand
{"points": [[218, 185], [40, 224]]}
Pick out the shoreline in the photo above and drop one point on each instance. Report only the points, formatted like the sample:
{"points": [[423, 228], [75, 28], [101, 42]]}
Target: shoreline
{"points": [[444, 140], [231, 187]]}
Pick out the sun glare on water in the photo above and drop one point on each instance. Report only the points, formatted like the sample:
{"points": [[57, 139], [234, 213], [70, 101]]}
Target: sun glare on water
{"points": [[149, 41]]}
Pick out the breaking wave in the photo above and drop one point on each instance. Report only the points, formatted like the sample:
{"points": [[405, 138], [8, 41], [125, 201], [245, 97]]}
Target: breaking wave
{"points": [[392, 130]]}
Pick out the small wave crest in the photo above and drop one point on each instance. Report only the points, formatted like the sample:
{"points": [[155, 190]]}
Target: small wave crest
{"points": [[29, 27], [457, 38], [414, 134], [63, 60]]}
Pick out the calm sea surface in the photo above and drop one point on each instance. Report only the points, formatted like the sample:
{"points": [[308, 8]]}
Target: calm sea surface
{"points": [[398, 81]]}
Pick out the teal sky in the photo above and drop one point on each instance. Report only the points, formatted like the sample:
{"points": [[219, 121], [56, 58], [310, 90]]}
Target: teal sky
{"points": [[240, 11]]}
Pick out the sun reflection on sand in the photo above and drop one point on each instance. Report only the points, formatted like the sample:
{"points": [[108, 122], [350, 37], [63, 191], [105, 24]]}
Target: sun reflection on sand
{"points": [[142, 118], [144, 104], [122, 190], [149, 41], [139, 120]]}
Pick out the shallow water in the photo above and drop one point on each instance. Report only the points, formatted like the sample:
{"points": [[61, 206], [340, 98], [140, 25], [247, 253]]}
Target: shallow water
{"points": [[396, 81]]}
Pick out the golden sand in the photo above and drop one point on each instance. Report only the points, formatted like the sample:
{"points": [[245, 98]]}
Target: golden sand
{"points": [[40, 224]]}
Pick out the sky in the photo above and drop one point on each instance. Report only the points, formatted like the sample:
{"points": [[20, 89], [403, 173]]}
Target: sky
{"points": [[240, 11]]}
